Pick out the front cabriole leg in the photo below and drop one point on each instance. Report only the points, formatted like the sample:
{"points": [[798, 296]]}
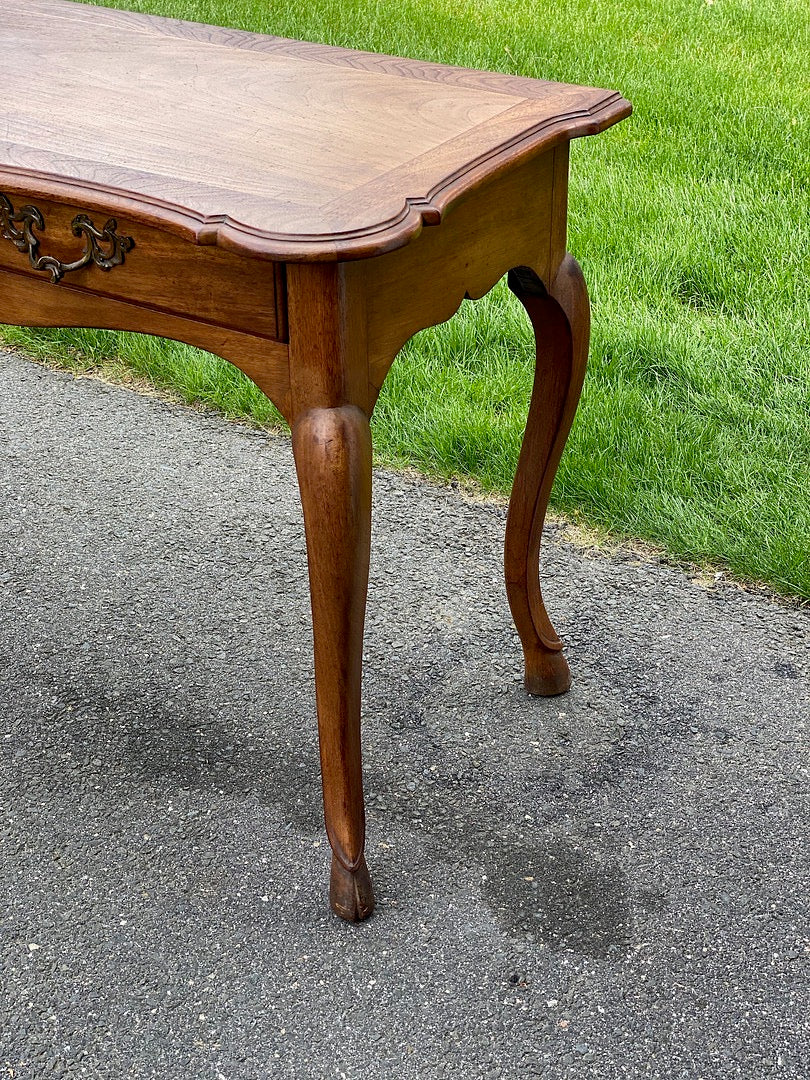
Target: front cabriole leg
{"points": [[560, 317], [332, 450], [332, 447]]}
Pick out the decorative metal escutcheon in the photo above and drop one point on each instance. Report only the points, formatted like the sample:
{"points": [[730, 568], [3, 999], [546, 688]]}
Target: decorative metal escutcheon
{"points": [[104, 247]]}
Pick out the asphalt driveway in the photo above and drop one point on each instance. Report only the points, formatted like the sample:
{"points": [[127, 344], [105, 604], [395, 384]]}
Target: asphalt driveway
{"points": [[609, 884]]}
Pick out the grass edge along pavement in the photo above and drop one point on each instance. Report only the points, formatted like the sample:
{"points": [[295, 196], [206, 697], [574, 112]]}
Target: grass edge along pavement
{"points": [[691, 221], [592, 540]]}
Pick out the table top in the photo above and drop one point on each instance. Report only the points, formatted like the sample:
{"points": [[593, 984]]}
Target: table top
{"points": [[265, 145]]}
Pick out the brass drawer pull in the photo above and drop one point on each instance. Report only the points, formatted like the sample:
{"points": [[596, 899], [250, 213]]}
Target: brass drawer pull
{"points": [[25, 239]]}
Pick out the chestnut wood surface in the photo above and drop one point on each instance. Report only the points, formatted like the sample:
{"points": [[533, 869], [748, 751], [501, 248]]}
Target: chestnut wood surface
{"points": [[300, 211], [265, 145]]}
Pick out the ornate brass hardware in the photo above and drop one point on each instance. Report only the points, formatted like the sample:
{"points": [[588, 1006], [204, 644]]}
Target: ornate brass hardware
{"points": [[24, 239]]}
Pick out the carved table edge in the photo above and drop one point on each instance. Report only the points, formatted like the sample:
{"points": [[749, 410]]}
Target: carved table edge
{"points": [[375, 239]]}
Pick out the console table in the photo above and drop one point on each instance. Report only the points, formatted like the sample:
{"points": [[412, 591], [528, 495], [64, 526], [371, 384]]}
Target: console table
{"points": [[301, 211]]}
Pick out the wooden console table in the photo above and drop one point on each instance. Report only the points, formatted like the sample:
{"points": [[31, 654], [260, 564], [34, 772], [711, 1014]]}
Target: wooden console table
{"points": [[301, 211]]}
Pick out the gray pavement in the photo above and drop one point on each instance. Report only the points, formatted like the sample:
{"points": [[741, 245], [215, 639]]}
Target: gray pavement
{"points": [[609, 884]]}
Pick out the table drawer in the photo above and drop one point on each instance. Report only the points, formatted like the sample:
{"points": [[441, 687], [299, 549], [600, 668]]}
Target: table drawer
{"points": [[126, 260]]}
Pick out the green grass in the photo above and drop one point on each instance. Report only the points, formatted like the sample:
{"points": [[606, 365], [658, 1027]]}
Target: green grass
{"points": [[692, 223]]}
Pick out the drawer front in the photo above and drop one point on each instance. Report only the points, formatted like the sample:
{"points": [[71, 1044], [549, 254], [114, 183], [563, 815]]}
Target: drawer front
{"points": [[126, 260]]}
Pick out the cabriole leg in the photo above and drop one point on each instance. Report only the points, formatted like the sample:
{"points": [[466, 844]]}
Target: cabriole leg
{"points": [[332, 448], [560, 317]]}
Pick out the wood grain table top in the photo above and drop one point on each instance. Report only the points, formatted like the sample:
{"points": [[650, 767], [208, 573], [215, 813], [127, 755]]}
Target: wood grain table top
{"points": [[263, 145]]}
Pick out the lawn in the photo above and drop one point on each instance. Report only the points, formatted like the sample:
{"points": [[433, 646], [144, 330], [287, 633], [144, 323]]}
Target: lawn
{"points": [[692, 223]]}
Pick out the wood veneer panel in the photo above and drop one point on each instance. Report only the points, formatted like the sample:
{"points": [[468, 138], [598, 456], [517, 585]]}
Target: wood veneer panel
{"points": [[280, 148]]}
